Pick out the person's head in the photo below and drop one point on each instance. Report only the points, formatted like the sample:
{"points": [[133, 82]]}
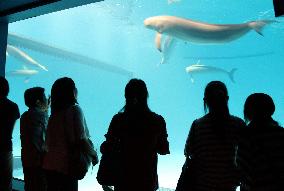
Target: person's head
{"points": [[136, 95], [4, 87], [35, 98], [258, 106], [63, 94], [216, 98]]}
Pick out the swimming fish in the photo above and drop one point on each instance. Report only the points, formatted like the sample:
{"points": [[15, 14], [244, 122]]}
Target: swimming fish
{"points": [[23, 57], [200, 68], [200, 32]]}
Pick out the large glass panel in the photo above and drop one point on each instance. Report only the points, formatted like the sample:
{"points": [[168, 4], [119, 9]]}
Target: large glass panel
{"points": [[103, 45]]}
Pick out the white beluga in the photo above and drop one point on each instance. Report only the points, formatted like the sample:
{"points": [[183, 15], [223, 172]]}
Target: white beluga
{"points": [[173, 1], [25, 72], [22, 72], [201, 32], [167, 48], [201, 69], [23, 57]]}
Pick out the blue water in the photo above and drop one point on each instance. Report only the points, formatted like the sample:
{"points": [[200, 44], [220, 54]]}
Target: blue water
{"points": [[112, 32]]}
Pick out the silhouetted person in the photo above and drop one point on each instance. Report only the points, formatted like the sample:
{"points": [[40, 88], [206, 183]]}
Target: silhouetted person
{"points": [[66, 128], [261, 153], [9, 113], [212, 142], [142, 135], [33, 129], [278, 7]]}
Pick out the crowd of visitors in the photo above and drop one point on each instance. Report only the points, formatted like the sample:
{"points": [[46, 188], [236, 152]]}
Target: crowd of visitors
{"points": [[222, 151]]}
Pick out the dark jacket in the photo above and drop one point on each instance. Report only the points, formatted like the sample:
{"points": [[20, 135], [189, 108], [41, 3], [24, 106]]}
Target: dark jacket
{"points": [[212, 145], [33, 129], [9, 113], [141, 138], [261, 156]]}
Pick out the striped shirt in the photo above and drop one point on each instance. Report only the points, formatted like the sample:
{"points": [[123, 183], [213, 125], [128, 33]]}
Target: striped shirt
{"points": [[212, 146], [261, 156]]}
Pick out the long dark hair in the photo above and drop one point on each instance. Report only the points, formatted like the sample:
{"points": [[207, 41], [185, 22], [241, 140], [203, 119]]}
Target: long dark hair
{"points": [[259, 107], [63, 94], [136, 95], [216, 99]]}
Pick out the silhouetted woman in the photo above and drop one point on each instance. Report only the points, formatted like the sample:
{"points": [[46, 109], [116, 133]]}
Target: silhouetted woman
{"points": [[261, 153], [212, 142], [9, 113], [142, 135], [66, 128]]}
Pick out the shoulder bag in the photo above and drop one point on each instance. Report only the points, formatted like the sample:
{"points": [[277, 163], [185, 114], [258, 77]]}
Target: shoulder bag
{"points": [[109, 170]]}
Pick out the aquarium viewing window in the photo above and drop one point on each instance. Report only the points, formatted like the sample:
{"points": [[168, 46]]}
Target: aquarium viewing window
{"points": [[104, 44]]}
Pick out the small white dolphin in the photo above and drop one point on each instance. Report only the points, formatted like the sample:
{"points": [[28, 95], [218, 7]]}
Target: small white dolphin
{"points": [[23, 57], [200, 68], [173, 1], [200, 32], [25, 72]]}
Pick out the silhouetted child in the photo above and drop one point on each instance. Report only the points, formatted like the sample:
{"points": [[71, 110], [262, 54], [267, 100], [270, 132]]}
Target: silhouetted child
{"points": [[32, 127], [261, 154]]}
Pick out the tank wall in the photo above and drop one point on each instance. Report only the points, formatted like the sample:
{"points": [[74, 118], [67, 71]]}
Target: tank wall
{"points": [[103, 45]]}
